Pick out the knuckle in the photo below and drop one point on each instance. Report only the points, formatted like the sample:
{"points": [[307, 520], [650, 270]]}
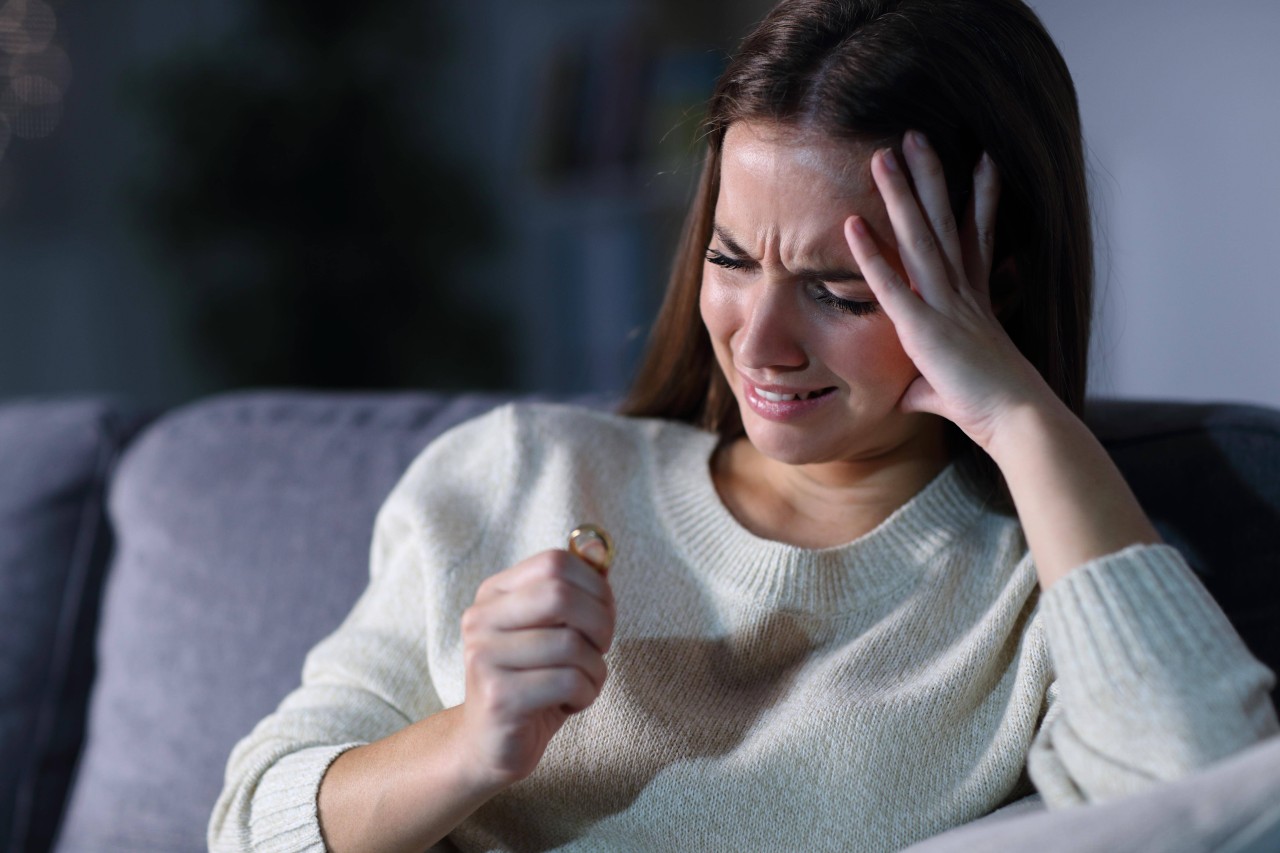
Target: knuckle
{"points": [[924, 243], [546, 565], [490, 697], [470, 621], [472, 656], [559, 595], [567, 644], [933, 170], [600, 670], [945, 223], [892, 280], [567, 682], [867, 252], [556, 563], [585, 692]]}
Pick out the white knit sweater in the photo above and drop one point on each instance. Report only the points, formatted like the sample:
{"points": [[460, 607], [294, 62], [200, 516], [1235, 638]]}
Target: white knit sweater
{"points": [[760, 696]]}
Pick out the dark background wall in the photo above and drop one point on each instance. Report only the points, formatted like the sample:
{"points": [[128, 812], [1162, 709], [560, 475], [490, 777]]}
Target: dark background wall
{"points": [[471, 193], [467, 193]]}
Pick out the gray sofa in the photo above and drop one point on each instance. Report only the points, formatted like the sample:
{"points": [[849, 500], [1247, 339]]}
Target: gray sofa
{"points": [[163, 574]]}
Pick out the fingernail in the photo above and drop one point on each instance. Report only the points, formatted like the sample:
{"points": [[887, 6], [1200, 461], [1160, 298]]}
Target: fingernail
{"points": [[889, 160], [920, 140], [859, 226], [594, 552]]}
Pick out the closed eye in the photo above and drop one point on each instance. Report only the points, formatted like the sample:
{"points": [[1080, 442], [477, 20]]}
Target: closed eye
{"points": [[847, 306], [722, 260], [819, 291]]}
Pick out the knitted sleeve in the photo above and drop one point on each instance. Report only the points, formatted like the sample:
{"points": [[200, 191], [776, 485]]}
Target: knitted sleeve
{"points": [[1152, 680], [370, 678]]}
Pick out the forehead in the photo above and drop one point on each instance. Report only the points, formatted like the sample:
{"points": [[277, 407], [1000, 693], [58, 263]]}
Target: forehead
{"points": [[790, 191], [763, 153]]}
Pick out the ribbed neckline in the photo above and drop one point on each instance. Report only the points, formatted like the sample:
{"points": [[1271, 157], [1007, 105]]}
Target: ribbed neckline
{"points": [[844, 578]]}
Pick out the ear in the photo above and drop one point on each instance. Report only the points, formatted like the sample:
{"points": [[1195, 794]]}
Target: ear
{"points": [[1006, 288]]}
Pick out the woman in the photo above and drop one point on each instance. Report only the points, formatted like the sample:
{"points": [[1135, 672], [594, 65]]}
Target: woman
{"points": [[874, 576]]}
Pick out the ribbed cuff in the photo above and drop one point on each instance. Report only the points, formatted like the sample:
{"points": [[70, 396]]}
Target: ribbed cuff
{"points": [[286, 816], [1139, 623]]}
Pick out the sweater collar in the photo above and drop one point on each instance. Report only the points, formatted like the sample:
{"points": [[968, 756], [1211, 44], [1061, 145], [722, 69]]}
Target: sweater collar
{"points": [[845, 578]]}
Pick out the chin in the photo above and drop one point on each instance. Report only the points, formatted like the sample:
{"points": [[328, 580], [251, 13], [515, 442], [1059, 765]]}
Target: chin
{"points": [[815, 444], [790, 445]]}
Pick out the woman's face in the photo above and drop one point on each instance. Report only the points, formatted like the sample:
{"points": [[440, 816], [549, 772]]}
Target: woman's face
{"points": [[815, 365]]}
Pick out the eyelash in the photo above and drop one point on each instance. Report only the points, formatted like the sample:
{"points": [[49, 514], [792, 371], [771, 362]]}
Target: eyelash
{"points": [[824, 297], [724, 261], [848, 306]]}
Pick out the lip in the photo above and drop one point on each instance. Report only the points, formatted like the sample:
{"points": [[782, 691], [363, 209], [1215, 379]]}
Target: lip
{"points": [[786, 410]]}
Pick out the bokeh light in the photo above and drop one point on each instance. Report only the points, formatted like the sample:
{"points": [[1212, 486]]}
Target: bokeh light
{"points": [[35, 73], [51, 63]]}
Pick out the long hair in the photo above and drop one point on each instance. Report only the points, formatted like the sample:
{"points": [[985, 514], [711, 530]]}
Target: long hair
{"points": [[973, 76]]}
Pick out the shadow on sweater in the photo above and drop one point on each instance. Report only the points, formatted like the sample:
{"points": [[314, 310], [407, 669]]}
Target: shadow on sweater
{"points": [[684, 699]]}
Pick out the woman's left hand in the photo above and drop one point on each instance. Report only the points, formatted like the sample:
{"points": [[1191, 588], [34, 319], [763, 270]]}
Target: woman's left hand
{"points": [[971, 373]]}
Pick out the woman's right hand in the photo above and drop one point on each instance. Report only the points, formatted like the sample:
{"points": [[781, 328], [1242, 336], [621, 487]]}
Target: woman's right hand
{"points": [[534, 643]]}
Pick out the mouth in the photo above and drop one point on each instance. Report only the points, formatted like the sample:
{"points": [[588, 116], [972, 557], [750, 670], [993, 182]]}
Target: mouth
{"points": [[778, 404]]}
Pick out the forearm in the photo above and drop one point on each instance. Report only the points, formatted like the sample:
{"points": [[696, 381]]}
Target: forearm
{"points": [[402, 793], [1072, 501], [1151, 680]]}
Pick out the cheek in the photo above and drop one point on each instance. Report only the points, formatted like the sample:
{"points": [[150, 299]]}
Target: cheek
{"points": [[871, 354], [719, 309]]}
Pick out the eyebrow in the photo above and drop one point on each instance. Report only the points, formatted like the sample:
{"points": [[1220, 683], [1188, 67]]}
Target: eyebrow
{"points": [[832, 275]]}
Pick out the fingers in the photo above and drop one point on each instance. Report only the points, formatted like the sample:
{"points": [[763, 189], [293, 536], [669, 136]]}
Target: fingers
{"points": [[923, 250], [547, 612], [552, 603], [533, 691], [893, 294], [939, 258], [549, 589], [935, 201], [979, 234], [548, 565], [542, 648]]}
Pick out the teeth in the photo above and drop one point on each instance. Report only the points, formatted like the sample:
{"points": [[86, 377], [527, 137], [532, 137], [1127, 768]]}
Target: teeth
{"points": [[783, 398]]}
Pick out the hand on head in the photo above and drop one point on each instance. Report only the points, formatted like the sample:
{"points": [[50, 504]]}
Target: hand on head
{"points": [[970, 370]]}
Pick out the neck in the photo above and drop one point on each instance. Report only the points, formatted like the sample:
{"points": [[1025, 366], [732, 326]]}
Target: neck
{"points": [[822, 505]]}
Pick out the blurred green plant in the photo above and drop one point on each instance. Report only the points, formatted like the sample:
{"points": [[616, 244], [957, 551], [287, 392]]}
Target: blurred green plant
{"points": [[314, 228]]}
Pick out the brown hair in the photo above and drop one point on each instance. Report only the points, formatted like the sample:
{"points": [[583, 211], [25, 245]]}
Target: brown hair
{"points": [[973, 76]]}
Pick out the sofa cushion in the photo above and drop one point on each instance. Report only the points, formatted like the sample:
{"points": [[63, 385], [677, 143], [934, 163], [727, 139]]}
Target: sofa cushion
{"points": [[244, 525], [55, 459]]}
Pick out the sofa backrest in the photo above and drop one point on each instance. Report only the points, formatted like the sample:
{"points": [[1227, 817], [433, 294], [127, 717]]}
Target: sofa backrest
{"points": [[56, 457], [243, 528], [243, 531], [1209, 477]]}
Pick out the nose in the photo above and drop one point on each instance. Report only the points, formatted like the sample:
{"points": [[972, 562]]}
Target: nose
{"points": [[769, 338]]}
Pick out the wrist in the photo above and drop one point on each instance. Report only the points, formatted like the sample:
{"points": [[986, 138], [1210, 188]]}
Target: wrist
{"points": [[1072, 501], [1041, 421], [472, 778]]}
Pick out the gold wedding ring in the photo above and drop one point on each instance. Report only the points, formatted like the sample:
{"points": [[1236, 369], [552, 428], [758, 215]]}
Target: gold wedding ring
{"points": [[583, 537]]}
